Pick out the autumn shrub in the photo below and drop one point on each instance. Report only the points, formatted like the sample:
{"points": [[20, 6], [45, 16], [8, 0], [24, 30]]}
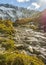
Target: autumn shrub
{"points": [[23, 21]]}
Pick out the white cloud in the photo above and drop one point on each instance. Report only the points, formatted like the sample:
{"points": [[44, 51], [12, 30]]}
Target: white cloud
{"points": [[34, 6], [23, 0], [41, 2]]}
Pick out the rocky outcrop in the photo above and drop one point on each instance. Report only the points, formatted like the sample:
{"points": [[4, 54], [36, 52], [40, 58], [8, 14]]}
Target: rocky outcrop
{"points": [[32, 42]]}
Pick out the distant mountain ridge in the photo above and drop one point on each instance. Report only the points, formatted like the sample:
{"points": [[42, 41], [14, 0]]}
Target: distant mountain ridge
{"points": [[13, 12]]}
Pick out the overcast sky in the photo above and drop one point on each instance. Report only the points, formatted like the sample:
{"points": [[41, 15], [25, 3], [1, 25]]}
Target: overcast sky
{"points": [[29, 4]]}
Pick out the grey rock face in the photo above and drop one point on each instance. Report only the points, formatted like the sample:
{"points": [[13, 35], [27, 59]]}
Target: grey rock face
{"points": [[13, 12], [31, 41]]}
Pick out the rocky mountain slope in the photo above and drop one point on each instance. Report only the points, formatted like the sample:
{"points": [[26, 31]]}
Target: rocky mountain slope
{"points": [[18, 43], [31, 42], [13, 12], [21, 42]]}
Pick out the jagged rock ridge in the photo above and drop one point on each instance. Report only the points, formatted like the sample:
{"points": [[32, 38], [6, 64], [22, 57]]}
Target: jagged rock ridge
{"points": [[13, 12]]}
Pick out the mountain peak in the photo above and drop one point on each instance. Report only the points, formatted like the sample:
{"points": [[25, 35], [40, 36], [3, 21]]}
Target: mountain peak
{"points": [[7, 5], [13, 12]]}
